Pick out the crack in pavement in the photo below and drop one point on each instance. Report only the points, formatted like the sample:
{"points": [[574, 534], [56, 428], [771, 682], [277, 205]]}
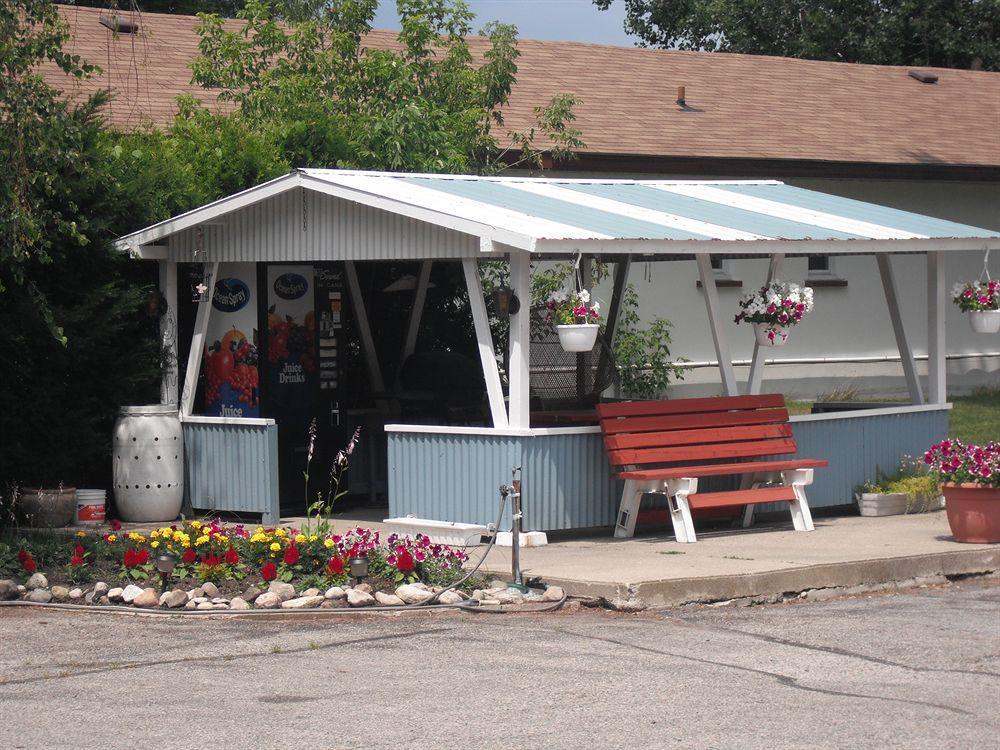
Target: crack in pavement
{"points": [[791, 682], [114, 667], [832, 650]]}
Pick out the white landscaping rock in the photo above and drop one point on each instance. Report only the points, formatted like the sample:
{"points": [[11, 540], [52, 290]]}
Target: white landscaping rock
{"points": [[388, 600], [210, 589], [311, 592], [129, 593], [204, 605], [8, 589], [173, 599], [41, 596], [190, 605], [196, 593], [357, 598], [239, 603], [100, 589], [76, 594], [412, 594], [450, 597], [303, 602], [147, 598], [479, 595], [285, 591], [37, 581], [335, 592], [553, 594], [508, 596], [114, 595], [220, 600], [267, 600]]}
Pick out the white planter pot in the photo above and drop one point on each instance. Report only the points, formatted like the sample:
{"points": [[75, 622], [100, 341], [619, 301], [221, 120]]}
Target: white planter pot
{"points": [[985, 321], [148, 463], [579, 337], [895, 504], [762, 332]]}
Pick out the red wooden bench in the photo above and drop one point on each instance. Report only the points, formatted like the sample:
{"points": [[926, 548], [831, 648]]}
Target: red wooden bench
{"points": [[664, 447]]}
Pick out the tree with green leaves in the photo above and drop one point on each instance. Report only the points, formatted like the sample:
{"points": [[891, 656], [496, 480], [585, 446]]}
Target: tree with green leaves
{"points": [[333, 101], [940, 33]]}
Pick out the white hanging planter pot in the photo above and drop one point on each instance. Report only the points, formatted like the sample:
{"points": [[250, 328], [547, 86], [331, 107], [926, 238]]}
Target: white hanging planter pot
{"points": [[985, 321], [770, 335], [578, 337]]}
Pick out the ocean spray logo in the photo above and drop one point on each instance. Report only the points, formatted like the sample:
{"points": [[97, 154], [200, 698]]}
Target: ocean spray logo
{"points": [[290, 286], [230, 295]]}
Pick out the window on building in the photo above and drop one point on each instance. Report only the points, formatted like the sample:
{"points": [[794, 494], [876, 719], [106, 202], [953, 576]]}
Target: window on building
{"points": [[823, 272]]}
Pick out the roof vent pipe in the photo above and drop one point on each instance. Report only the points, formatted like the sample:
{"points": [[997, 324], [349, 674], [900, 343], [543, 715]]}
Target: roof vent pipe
{"points": [[681, 101], [923, 76], [118, 24]]}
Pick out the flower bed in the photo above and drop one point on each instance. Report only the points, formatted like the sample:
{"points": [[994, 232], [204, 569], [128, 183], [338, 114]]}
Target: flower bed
{"points": [[220, 564]]}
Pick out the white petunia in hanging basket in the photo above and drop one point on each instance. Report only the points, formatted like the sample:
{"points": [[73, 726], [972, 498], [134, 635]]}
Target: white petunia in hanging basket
{"points": [[576, 318], [774, 309], [981, 300]]}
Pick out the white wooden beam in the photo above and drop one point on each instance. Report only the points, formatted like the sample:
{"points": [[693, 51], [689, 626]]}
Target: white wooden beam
{"points": [[364, 327], [905, 352], [937, 392], [757, 363], [198, 341], [715, 323], [168, 333], [487, 355], [519, 342], [419, 298]]}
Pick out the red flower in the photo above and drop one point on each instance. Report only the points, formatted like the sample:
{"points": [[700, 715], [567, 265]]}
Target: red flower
{"points": [[29, 565], [142, 557], [76, 561], [291, 555], [404, 560], [211, 560], [335, 567], [79, 551], [23, 555], [269, 571], [116, 524], [232, 556], [189, 556]]}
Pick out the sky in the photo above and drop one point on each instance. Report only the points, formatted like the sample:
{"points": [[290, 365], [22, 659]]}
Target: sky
{"points": [[563, 20]]}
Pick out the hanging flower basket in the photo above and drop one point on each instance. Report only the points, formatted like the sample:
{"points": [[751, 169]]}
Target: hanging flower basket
{"points": [[774, 309], [970, 481], [576, 319], [981, 300]]}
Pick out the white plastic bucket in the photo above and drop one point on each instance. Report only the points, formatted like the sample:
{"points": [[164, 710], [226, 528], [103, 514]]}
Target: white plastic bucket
{"points": [[579, 337], [985, 321], [90, 505]]}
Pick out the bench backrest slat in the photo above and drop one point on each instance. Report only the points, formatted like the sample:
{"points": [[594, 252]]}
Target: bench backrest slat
{"points": [[641, 433]]}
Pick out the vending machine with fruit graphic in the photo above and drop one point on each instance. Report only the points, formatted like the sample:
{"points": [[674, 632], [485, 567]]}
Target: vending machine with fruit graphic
{"points": [[230, 364]]}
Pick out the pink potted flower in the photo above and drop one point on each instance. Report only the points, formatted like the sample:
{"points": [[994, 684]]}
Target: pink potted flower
{"points": [[774, 309], [576, 318], [970, 481], [981, 300]]}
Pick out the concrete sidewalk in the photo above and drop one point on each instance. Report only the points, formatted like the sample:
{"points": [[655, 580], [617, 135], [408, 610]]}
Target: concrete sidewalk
{"points": [[762, 562]]}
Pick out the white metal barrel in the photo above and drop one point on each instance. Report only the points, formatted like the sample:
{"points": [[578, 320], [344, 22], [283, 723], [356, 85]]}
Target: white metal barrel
{"points": [[148, 458]]}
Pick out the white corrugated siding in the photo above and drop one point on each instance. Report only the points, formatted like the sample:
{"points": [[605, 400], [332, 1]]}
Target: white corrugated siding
{"points": [[302, 225]]}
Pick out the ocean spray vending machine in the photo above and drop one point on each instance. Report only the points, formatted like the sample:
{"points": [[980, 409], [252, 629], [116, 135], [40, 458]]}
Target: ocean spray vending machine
{"points": [[230, 363]]}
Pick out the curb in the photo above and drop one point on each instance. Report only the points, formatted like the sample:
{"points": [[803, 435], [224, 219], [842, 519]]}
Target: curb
{"points": [[771, 585]]}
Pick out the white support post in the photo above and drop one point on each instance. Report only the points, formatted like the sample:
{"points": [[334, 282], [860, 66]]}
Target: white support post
{"points": [[168, 332], [757, 363], [198, 342], [519, 346], [937, 392], [715, 323], [905, 352], [364, 327], [487, 355], [419, 298]]}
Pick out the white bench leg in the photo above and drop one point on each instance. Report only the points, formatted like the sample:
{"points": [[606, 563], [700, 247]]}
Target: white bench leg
{"points": [[798, 479], [677, 491], [753, 481], [628, 511]]}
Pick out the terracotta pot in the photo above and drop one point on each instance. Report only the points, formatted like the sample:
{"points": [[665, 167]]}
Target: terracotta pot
{"points": [[973, 512], [47, 508]]}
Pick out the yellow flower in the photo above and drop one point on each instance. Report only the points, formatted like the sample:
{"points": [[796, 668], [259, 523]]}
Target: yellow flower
{"points": [[154, 545], [112, 538], [81, 533], [166, 531], [300, 538], [328, 543], [258, 530], [203, 539], [196, 525], [154, 534], [281, 532], [136, 537], [275, 547], [313, 537]]}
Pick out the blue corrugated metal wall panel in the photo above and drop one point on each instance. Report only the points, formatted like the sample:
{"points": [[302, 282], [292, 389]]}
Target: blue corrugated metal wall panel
{"points": [[232, 467], [567, 482]]}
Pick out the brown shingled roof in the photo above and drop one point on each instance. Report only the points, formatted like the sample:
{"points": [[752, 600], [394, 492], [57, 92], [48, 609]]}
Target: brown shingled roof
{"points": [[743, 107]]}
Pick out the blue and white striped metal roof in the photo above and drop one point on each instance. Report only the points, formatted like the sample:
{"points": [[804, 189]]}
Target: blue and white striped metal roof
{"points": [[551, 213], [651, 217]]}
